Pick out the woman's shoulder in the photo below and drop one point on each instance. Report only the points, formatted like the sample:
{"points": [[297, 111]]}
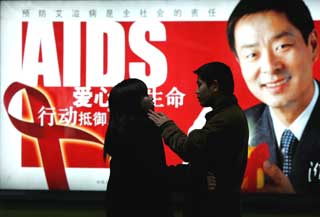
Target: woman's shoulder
{"points": [[142, 121], [141, 124]]}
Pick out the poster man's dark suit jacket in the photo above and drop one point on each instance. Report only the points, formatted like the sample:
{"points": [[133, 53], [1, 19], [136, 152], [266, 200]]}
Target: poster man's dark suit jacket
{"points": [[306, 162]]}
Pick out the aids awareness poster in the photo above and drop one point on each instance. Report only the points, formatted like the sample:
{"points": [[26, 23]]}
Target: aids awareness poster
{"points": [[60, 59]]}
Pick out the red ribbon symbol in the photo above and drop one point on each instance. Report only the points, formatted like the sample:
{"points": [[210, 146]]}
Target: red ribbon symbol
{"points": [[259, 154], [48, 136]]}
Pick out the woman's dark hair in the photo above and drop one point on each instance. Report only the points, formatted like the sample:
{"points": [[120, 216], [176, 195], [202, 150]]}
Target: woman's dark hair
{"points": [[124, 106], [296, 12], [217, 71]]}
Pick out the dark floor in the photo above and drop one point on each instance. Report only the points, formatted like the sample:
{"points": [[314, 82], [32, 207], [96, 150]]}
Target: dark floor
{"points": [[90, 204], [67, 212]]}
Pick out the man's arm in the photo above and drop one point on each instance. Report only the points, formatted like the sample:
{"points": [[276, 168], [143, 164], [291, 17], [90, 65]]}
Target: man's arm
{"points": [[179, 142], [183, 145], [172, 135], [196, 142]]}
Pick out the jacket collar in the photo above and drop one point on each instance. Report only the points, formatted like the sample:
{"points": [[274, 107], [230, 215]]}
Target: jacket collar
{"points": [[221, 102]]}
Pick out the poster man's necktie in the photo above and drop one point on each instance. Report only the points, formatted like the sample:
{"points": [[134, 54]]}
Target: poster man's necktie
{"points": [[287, 143]]}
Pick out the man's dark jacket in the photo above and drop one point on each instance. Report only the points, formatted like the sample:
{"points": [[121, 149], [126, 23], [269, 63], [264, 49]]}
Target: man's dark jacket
{"points": [[219, 147]]}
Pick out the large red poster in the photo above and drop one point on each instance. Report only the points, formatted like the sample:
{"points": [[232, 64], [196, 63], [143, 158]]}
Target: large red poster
{"points": [[58, 64]]}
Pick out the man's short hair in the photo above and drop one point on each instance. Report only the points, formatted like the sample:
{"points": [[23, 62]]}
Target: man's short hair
{"points": [[218, 71], [296, 12]]}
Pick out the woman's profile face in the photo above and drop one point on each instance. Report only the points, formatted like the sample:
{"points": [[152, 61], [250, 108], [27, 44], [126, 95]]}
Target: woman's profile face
{"points": [[147, 103]]}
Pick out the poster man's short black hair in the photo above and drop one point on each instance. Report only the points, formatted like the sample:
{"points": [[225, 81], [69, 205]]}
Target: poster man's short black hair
{"points": [[296, 12]]}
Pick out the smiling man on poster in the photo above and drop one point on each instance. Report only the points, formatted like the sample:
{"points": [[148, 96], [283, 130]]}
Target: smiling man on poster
{"points": [[276, 45]]}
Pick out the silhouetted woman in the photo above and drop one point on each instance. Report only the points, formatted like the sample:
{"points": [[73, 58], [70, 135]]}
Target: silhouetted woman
{"points": [[137, 185]]}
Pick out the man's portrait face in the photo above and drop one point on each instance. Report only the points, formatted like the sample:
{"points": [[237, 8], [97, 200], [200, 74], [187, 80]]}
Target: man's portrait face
{"points": [[275, 61]]}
